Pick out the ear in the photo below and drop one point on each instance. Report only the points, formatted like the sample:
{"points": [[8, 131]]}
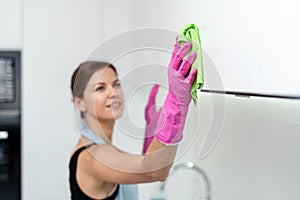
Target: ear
{"points": [[79, 103]]}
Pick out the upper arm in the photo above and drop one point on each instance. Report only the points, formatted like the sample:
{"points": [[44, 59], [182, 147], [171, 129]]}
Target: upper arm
{"points": [[112, 165]]}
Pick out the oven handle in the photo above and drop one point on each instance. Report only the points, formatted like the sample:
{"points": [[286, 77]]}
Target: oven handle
{"points": [[3, 135]]}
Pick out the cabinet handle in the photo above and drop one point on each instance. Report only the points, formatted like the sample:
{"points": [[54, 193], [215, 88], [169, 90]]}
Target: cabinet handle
{"points": [[3, 135]]}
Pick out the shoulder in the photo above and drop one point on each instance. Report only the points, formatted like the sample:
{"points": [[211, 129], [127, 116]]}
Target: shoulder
{"points": [[90, 159], [85, 154], [87, 175]]}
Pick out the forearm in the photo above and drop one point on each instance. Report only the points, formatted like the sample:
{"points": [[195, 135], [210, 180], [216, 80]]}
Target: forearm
{"points": [[170, 153], [155, 145], [159, 159], [113, 165]]}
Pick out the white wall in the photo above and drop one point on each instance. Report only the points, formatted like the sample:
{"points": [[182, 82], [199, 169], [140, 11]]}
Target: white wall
{"points": [[58, 35], [253, 44], [10, 20]]}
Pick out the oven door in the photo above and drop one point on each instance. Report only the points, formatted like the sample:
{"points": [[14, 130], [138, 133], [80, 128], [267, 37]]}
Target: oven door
{"points": [[10, 163]]}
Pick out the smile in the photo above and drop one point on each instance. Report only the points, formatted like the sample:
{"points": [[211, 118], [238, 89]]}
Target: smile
{"points": [[114, 105]]}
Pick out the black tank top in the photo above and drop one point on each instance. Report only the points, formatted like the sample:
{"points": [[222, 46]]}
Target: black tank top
{"points": [[76, 192]]}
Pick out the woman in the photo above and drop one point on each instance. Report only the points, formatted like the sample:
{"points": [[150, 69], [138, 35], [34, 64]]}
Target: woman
{"points": [[98, 170]]}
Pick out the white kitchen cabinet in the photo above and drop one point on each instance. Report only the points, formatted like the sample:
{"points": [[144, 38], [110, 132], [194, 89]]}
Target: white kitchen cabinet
{"points": [[58, 35], [10, 24]]}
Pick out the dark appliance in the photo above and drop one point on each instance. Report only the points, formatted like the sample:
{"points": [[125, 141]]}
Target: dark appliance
{"points": [[10, 125]]}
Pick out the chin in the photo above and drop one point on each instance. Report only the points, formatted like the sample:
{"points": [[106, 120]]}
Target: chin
{"points": [[109, 118], [117, 115]]}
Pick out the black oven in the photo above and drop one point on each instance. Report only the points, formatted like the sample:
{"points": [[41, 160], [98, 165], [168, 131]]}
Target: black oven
{"points": [[10, 125], [10, 163], [10, 77]]}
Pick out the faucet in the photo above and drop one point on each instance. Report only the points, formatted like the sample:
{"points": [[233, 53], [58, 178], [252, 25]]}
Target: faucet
{"points": [[200, 171]]}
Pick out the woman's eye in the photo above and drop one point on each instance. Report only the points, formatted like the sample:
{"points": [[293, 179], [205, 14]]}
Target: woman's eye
{"points": [[101, 88], [117, 85]]}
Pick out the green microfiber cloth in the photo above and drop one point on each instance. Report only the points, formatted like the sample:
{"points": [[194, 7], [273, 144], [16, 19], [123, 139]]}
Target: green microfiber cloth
{"points": [[191, 33]]}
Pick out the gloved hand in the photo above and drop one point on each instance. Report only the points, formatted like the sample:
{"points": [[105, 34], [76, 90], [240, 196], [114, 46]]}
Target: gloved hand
{"points": [[151, 117], [172, 118]]}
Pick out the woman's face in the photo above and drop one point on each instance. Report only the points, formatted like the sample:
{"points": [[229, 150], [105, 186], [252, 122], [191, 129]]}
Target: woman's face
{"points": [[103, 97]]}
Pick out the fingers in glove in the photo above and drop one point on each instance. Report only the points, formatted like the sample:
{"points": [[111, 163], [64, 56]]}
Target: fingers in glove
{"points": [[175, 51], [151, 103], [180, 54], [187, 63], [191, 77], [153, 94], [176, 47]]}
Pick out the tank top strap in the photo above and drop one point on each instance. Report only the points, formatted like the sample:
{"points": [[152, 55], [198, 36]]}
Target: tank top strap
{"points": [[88, 133], [76, 192]]}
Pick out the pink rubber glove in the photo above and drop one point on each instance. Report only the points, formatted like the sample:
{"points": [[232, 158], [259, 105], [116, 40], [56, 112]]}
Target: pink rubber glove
{"points": [[151, 117], [174, 111]]}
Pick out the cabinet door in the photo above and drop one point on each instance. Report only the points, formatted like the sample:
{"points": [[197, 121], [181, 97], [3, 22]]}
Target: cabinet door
{"points": [[58, 35], [10, 24]]}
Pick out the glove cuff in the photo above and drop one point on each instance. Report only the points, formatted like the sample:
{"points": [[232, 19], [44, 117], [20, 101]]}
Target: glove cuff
{"points": [[171, 121]]}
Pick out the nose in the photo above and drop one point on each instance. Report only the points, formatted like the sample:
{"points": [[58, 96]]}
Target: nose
{"points": [[112, 92]]}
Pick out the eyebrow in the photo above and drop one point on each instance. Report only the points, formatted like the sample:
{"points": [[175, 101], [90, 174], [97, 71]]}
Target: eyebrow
{"points": [[102, 83]]}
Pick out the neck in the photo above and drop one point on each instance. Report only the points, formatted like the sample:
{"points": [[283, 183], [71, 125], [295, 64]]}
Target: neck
{"points": [[102, 128]]}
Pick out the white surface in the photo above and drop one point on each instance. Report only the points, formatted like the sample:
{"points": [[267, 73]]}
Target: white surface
{"points": [[278, 58], [253, 44], [256, 156], [10, 24], [58, 35]]}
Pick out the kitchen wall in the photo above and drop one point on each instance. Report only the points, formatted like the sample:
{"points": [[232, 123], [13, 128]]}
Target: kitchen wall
{"points": [[11, 26], [57, 36]]}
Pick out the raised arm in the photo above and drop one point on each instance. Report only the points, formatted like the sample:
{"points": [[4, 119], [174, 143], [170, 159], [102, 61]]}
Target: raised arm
{"points": [[113, 165]]}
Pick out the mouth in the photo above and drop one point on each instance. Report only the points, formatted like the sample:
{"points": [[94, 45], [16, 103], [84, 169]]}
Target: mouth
{"points": [[114, 105]]}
